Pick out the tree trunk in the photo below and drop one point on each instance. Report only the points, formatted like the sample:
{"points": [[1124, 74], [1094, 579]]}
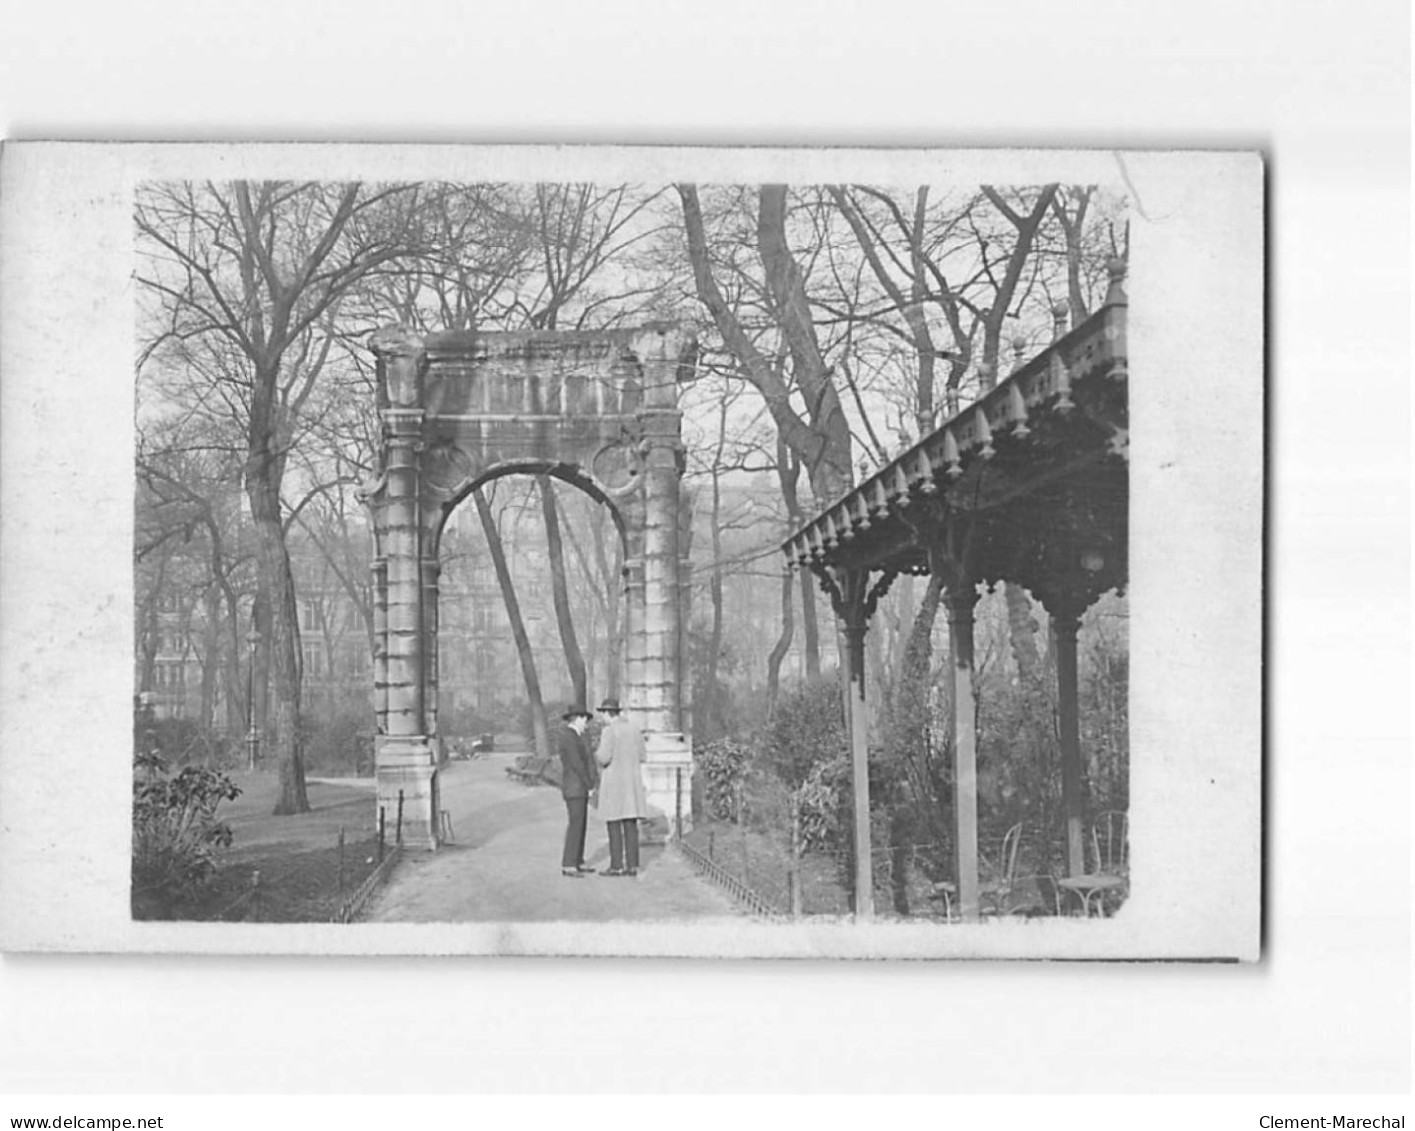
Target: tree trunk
{"points": [[282, 737], [152, 630], [810, 625], [905, 743], [237, 687], [614, 612], [828, 467], [1073, 227], [1027, 227], [210, 657], [788, 473], [711, 723], [821, 442], [781, 647], [561, 593], [904, 594], [712, 707], [539, 727], [1022, 633]]}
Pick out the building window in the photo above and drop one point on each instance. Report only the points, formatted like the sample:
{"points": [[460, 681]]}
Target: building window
{"points": [[309, 616]]}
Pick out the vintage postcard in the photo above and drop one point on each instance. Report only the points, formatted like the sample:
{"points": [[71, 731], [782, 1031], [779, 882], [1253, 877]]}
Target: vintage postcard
{"points": [[631, 551]]}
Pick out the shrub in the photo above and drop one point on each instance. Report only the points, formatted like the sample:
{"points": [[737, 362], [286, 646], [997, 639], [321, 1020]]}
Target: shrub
{"points": [[722, 767], [823, 806], [806, 731], [336, 743], [176, 835]]}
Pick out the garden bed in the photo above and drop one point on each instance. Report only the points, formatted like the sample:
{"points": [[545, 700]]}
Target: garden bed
{"points": [[282, 869]]}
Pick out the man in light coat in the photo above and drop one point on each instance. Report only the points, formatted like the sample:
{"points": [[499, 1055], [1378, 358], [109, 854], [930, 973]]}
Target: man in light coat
{"points": [[622, 798]]}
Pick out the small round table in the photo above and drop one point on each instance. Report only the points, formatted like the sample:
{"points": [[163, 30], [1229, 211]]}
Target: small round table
{"points": [[1088, 887]]}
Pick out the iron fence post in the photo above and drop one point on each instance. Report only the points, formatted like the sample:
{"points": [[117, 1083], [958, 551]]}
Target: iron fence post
{"points": [[678, 803]]}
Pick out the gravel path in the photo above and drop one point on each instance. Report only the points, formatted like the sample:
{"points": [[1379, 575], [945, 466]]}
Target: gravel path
{"points": [[505, 864]]}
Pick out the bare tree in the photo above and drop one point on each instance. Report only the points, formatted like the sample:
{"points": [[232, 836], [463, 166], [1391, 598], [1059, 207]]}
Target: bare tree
{"points": [[560, 591], [818, 434], [257, 272], [539, 726]]}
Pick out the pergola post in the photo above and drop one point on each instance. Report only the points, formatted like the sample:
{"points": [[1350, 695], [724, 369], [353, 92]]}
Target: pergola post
{"points": [[858, 720], [961, 597], [854, 599], [1064, 629]]}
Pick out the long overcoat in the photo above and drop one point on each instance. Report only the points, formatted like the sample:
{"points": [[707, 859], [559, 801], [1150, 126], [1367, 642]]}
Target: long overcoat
{"points": [[578, 772], [621, 783]]}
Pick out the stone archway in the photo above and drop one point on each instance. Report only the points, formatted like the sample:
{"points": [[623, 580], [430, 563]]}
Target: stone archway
{"points": [[457, 409]]}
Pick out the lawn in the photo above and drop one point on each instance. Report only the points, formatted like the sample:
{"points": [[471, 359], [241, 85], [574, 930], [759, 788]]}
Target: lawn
{"points": [[283, 869]]}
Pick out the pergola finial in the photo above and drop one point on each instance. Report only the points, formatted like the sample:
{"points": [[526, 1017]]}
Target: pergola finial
{"points": [[1117, 269], [1019, 346]]}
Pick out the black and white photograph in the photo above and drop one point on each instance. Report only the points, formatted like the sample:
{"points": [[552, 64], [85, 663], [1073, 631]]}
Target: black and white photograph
{"points": [[730, 564], [714, 564]]}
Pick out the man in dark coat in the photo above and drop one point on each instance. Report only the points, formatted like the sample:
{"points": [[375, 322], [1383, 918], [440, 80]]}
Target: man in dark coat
{"points": [[578, 778]]}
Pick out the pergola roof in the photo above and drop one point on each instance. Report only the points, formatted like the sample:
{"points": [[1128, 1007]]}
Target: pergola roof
{"points": [[1029, 484]]}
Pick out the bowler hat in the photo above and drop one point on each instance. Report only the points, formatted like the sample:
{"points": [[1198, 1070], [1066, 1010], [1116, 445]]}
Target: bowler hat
{"points": [[576, 712], [611, 705]]}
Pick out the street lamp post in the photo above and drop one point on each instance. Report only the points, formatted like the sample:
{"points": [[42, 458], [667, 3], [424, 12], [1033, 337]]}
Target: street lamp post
{"points": [[252, 730], [147, 714]]}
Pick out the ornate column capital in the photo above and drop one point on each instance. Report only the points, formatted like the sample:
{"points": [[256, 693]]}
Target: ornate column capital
{"points": [[401, 362]]}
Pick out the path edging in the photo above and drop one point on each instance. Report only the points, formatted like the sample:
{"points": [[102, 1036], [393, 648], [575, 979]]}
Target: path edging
{"points": [[755, 903], [351, 907]]}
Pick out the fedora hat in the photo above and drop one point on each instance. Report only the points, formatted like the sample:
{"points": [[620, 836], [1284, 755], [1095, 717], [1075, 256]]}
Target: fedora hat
{"points": [[610, 705], [576, 712]]}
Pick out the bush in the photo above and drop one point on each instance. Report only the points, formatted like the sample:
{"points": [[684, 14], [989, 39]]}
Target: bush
{"points": [[176, 835], [338, 743], [722, 767], [823, 806], [806, 731]]}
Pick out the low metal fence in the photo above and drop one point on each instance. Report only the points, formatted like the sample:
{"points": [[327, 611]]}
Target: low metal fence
{"points": [[735, 887]]}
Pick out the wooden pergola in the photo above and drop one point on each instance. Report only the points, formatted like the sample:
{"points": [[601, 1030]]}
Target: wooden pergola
{"points": [[1030, 485]]}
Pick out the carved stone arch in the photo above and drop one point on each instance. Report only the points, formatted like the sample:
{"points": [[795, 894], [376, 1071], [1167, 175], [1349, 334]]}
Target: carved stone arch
{"points": [[597, 410], [436, 517]]}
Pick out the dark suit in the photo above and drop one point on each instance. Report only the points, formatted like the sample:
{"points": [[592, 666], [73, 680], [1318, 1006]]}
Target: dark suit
{"points": [[578, 776]]}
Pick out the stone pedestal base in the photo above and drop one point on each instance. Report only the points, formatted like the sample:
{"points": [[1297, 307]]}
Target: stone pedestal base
{"points": [[405, 766], [668, 769]]}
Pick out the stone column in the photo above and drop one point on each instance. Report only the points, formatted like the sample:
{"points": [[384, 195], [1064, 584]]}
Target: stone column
{"points": [[380, 644], [961, 597], [404, 758], [669, 757], [634, 692], [404, 601], [431, 571], [661, 611], [685, 618], [1064, 630]]}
